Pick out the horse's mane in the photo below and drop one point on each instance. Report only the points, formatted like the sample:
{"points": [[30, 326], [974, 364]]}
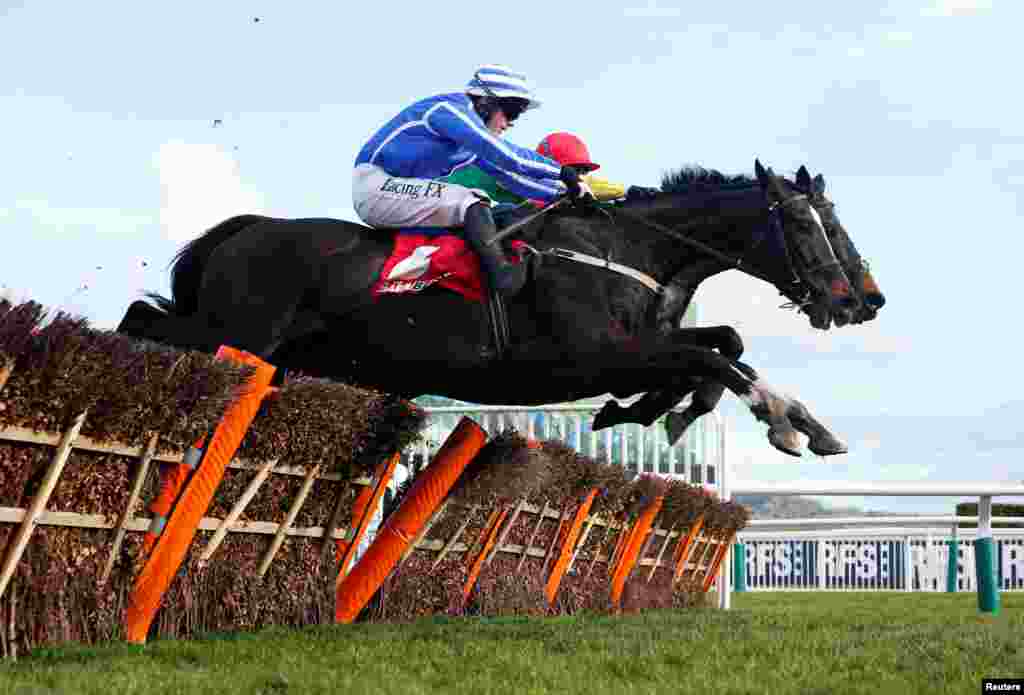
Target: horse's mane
{"points": [[697, 179]]}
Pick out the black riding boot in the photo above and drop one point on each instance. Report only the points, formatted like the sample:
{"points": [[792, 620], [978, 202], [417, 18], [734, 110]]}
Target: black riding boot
{"points": [[506, 277]]}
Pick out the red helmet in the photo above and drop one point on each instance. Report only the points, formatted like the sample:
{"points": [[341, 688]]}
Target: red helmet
{"points": [[567, 150]]}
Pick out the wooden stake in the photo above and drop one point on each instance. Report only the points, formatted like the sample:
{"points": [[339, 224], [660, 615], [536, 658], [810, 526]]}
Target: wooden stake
{"points": [[529, 543], [583, 542], [651, 535], [554, 539], [236, 511], [275, 545], [3, 633], [423, 532], [716, 561], [332, 525], [129, 509], [685, 548], [504, 533], [481, 538], [12, 633], [490, 535], [597, 552], [454, 539], [657, 560], [710, 551], [20, 542]]}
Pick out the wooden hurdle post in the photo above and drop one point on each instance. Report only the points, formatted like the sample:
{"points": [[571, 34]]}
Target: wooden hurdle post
{"points": [[170, 548], [16, 546]]}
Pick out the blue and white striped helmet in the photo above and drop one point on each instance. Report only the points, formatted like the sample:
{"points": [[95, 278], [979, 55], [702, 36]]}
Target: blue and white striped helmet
{"points": [[499, 81]]}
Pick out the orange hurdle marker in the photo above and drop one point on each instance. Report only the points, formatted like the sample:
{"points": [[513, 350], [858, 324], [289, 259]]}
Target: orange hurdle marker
{"points": [[490, 536], [562, 564], [431, 487], [172, 545], [631, 552]]}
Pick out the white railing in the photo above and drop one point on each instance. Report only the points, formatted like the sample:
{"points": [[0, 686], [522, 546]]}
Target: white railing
{"points": [[827, 562], [695, 457]]}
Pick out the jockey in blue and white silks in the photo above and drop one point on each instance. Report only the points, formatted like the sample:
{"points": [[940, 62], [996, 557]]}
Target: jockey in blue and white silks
{"points": [[396, 178]]}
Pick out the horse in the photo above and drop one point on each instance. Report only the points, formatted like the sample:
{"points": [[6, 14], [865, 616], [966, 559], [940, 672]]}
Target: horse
{"points": [[868, 299], [297, 293]]}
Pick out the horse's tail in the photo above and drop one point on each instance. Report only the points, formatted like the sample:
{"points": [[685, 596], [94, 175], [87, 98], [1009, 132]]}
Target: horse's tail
{"points": [[190, 262]]}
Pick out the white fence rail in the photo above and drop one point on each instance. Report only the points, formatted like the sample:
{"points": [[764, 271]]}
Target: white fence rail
{"points": [[694, 458]]}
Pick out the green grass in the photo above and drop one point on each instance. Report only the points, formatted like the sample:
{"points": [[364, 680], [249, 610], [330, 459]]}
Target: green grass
{"points": [[770, 643]]}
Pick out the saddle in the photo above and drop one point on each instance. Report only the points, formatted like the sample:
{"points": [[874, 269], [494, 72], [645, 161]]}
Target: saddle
{"points": [[439, 257]]}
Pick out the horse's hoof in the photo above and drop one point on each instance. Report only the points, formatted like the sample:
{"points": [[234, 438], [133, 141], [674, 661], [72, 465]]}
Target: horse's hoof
{"points": [[827, 445], [675, 425], [608, 416], [785, 440]]}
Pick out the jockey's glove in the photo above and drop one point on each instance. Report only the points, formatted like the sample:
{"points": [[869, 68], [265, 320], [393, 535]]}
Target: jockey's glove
{"points": [[577, 188]]}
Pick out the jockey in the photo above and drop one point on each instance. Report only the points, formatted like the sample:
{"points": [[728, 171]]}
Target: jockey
{"points": [[398, 176]]}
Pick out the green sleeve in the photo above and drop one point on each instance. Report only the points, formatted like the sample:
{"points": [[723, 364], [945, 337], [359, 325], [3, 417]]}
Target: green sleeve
{"points": [[475, 177]]}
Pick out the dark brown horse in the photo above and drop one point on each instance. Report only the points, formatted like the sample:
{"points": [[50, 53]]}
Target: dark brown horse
{"points": [[297, 292]]}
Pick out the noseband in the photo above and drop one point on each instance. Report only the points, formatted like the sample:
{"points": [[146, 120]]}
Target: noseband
{"points": [[798, 293]]}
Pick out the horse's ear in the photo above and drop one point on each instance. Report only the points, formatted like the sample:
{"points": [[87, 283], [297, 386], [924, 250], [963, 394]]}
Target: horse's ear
{"points": [[819, 184], [803, 178], [762, 175]]}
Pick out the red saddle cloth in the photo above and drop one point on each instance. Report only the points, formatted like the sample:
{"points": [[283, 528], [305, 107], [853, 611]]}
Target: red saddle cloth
{"points": [[419, 261]]}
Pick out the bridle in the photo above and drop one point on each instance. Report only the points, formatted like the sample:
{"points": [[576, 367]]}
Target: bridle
{"points": [[797, 292]]}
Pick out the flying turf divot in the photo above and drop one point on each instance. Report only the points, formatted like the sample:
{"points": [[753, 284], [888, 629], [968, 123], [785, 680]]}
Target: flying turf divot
{"points": [[173, 543]]}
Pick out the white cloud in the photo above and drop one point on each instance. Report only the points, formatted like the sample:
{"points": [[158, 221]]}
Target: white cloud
{"points": [[63, 219], [957, 8], [898, 36], [200, 187]]}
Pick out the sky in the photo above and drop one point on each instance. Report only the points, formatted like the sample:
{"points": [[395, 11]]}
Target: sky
{"points": [[128, 129]]}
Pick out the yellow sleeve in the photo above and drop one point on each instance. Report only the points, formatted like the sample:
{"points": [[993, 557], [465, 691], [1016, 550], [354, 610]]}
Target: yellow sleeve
{"points": [[603, 189]]}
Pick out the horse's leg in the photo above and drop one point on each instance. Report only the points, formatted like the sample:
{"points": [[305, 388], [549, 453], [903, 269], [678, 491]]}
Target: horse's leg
{"points": [[819, 439], [708, 393], [668, 366], [644, 412], [654, 404]]}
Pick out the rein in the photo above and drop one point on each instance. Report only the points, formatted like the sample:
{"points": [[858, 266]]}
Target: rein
{"points": [[648, 281]]}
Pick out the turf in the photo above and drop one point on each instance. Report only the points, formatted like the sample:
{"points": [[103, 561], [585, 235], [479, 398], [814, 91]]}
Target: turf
{"points": [[769, 643]]}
